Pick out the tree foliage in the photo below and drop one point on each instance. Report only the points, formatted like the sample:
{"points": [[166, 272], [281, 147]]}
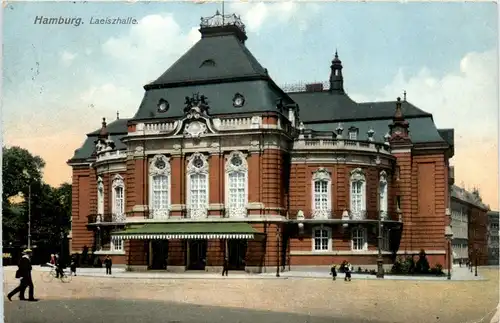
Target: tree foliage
{"points": [[50, 207]]}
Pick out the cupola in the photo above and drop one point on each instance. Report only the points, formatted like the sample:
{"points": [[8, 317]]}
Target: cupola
{"points": [[222, 25], [336, 78]]}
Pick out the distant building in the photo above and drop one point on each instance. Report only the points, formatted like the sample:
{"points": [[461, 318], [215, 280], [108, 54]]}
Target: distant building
{"points": [[493, 257], [469, 226], [219, 161]]}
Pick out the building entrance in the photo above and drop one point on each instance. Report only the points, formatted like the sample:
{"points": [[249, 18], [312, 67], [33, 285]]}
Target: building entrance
{"points": [[159, 254], [197, 254], [237, 250]]}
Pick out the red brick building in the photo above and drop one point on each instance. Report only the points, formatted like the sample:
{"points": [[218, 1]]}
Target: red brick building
{"points": [[220, 161]]}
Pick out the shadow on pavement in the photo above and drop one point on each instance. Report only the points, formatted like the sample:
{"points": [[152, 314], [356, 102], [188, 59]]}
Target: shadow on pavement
{"points": [[128, 311]]}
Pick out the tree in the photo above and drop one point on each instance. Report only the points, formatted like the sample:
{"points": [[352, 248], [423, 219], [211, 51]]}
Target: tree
{"points": [[19, 169]]}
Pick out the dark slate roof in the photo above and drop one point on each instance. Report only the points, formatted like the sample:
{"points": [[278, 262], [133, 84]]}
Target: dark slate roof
{"points": [[230, 56], [326, 106], [260, 96], [422, 130], [117, 130], [448, 135]]}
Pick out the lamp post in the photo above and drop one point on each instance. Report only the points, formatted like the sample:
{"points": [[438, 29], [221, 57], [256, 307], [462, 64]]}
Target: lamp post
{"points": [[29, 215], [277, 251], [449, 236], [380, 259], [475, 253]]}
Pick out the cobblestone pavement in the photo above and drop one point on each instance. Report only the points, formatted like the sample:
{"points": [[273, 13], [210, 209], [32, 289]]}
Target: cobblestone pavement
{"points": [[292, 300]]}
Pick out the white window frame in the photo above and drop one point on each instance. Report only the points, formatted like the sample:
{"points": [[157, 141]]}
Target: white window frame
{"points": [[358, 176], [192, 170], [100, 196], [383, 196], [364, 236], [230, 169], [353, 135], [162, 212], [321, 175], [329, 236], [118, 214], [117, 244]]}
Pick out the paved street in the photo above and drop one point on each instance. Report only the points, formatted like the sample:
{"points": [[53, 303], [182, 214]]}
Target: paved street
{"points": [[121, 300]]}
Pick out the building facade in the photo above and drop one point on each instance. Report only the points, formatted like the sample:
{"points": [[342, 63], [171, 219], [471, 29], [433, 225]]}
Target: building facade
{"points": [[493, 233], [468, 222], [219, 161]]}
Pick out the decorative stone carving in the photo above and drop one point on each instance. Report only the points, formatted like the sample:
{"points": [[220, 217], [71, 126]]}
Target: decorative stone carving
{"points": [[139, 149], [159, 165], [321, 174], [197, 164], [300, 215], [254, 146], [236, 162], [195, 129], [339, 130], [118, 181], [163, 105], [196, 104], [383, 176], [238, 100], [100, 196], [357, 175], [321, 214], [370, 134], [198, 213]]}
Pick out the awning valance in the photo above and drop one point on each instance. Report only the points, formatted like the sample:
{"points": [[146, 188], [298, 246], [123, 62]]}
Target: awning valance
{"points": [[211, 230]]}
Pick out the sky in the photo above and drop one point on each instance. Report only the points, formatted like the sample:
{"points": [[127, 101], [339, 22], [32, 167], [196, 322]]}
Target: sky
{"points": [[59, 81]]}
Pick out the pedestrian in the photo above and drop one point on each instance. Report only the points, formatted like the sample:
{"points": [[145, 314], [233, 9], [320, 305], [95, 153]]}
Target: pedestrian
{"points": [[52, 259], [333, 271], [348, 270], [460, 263], [24, 273], [59, 267], [225, 265], [108, 263], [73, 266]]}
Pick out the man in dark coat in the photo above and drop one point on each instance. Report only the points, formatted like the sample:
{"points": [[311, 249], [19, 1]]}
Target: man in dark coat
{"points": [[24, 272], [108, 263], [225, 266]]}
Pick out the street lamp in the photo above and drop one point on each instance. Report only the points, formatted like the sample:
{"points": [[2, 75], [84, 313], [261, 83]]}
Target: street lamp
{"points": [[277, 251], [380, 260], [25, 172], [475, 252], [449, 235]]}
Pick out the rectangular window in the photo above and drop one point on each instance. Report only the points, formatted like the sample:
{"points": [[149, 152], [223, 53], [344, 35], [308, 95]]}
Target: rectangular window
{"points": [[237, 190], [321, 195], [357, 196], [353, 135], [198, 192], [321, 239], [117, 245], [398, 202], [358, 239], [119, 200], [160, 192]]}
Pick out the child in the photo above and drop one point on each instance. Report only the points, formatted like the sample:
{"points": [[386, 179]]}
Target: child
{"points": [[334, 271], [73, 267]]}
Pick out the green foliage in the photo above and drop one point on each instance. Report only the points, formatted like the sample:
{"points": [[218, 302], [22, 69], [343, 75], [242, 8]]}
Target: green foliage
{"points": [[50, 207], [437, 270], [403, 265]]}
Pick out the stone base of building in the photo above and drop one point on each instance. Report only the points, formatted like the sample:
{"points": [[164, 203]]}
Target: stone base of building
{"points": [[136, 268]]}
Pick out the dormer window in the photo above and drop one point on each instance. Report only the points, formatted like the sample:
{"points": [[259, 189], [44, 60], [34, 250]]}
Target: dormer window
{"points": [[208, 62], [353, 133]]}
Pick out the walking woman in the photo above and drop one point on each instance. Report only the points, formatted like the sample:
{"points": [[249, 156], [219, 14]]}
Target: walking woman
{"points": [[348, 269], [334, 271]]}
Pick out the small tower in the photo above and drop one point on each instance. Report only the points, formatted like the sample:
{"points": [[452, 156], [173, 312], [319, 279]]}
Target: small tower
{"points": [[336, 78], [100, 143], [399, 127]]}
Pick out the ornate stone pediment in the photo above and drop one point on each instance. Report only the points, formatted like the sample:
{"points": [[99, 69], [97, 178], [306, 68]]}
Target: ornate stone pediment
{"points": [[196, 121]]}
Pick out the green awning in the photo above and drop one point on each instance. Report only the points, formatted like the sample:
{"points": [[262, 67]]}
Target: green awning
{"points": [[209, 230]]}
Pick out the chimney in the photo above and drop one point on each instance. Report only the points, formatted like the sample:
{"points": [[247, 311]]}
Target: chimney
{"points": [[314, 87]]}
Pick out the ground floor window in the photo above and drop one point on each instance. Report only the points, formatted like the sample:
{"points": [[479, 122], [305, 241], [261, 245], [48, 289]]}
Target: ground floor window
{"points": [[359, 241], [116, 244], [322, 239], [106, 243]]}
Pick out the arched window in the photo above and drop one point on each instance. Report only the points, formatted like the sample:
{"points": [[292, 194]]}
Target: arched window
{"points": [[118, 206], [358, 194], [359, 239], [159, 186], [322, 238], [197, 186], [321, 194], [383, 198], [100, 196], [236, 184]]}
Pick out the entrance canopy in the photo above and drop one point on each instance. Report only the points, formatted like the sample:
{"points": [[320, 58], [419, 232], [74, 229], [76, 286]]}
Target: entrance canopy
{"points": [[209, 230]]}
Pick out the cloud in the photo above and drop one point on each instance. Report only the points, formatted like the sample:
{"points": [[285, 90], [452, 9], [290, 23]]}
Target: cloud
{"points": [[159, 38], [256, 14], [465, 99], [67, 57]]}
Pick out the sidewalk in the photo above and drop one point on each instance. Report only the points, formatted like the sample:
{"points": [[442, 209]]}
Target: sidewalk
{"points": [[458, 274]]}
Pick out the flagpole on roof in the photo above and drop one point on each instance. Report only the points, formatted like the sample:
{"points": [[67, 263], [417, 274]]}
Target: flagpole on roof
{"points": [[222, 12]]}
